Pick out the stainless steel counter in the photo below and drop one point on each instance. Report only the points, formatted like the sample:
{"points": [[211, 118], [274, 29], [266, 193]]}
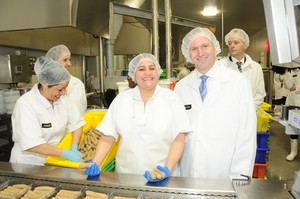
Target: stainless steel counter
{"points": [[175, 187]]}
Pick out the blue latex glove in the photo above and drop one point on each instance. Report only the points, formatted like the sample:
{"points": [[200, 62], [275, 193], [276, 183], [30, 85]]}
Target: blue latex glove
{"points": [[92, 170], [163, 169], [74, 148], [70, 155]]}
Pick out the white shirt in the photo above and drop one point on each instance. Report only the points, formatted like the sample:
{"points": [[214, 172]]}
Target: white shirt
{"points": [[76, 94], [146, 131], [290, 78], [223, 143], [252, 71], [280, 90], [35, 121]]}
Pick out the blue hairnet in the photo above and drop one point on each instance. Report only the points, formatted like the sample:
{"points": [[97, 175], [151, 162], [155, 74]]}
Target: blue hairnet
{"points": [[194, 34], [49, 72], [134, 63], [238, 33], [58, 52]]}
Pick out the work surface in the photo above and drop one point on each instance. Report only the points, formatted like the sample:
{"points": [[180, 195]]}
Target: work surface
{"points": [[175, 187]]}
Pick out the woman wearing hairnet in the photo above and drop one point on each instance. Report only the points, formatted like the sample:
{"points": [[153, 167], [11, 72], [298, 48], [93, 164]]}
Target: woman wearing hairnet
{"points": [[219, 103], [75, 89], [42, 117], [150, 120], [238, 41]]}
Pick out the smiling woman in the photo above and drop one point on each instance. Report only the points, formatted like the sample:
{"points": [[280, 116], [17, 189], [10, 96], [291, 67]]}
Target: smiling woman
{"points": [[49, 115], [145, 70]]}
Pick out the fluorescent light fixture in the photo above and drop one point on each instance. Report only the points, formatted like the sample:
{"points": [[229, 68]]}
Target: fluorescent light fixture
{"points": [[210, 11]]}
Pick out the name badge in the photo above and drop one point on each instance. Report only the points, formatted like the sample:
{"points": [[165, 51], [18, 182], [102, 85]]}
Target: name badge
{"points": [[188, 106], [47, 125]]}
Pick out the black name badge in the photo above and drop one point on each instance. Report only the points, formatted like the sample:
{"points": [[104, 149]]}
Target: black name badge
{"points": [[46, 125], [188, 106]]}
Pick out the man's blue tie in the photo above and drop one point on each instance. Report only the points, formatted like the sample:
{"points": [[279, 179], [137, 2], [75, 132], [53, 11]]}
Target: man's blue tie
{"points": [[203, 88]]}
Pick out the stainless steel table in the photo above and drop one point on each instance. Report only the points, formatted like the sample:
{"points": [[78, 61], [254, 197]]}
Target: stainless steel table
{"points": [[136, 185]]}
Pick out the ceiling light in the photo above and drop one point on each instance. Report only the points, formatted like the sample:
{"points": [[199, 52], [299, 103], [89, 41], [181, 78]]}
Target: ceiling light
{"points": [[210, 11]]}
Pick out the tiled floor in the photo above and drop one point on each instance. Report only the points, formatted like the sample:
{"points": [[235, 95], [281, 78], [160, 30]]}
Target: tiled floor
{"points": [[278, 167]]}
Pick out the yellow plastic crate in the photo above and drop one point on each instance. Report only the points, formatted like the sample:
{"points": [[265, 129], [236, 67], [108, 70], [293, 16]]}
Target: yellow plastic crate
{"points": [[91, 119], [263, 120], [265, 106]]}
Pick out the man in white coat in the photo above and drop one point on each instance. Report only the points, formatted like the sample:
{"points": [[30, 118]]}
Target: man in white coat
{"points": [[223, 141], [238, 41]]}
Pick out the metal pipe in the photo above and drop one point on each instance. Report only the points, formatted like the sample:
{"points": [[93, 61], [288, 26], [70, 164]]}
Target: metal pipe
{"points": [[101, 66], [110, 42], [222, 30], [168, 14], [155, 34], [83, 63]]}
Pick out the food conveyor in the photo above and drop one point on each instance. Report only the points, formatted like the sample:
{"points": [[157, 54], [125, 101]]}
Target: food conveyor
{"points": [[136, 186]]}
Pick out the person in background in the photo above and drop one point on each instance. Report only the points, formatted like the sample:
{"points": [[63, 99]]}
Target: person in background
{"points": [[219, 103], [280, 91], [42, 117], [76, 89], [183, 70], [150, 120], [131, 83], [291, 81], [238, 41]]}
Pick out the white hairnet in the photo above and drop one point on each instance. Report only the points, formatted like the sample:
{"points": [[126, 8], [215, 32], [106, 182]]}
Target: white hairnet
{"points": [[194, 34], [239, 33], [49, 72], [134, 63], [58, 52]]}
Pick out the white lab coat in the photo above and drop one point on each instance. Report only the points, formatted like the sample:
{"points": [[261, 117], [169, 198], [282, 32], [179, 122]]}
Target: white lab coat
{"points": [[35, 121], [223, 143], [290, 78], [253, 71], [76, 94], [280, 90], [146, 131]]}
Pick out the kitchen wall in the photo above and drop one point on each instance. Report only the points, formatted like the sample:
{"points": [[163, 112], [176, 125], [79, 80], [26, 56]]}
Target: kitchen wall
{"points": [[75, 70]]}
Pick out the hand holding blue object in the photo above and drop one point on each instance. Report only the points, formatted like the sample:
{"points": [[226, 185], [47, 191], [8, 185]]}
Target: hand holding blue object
{"points": [[92, 170], [158, 174]]}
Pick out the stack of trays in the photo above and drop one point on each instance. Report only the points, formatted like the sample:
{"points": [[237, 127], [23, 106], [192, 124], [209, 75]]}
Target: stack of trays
{"points": [[263, 134]]}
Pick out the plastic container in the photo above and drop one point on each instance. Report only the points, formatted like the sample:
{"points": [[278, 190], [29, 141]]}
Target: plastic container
{"points": [[261, 154], [266, 107], [10, 97], [263, 139], [125, 72], [122, 86], [263, 120], [259, 170], [92, 120]]}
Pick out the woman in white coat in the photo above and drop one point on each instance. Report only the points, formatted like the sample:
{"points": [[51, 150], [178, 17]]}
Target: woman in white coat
{"points": [[223, 141], [150, 120], [75, 89], [43, 116]]}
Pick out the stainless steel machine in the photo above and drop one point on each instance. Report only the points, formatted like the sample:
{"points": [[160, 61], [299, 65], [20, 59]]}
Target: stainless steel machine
{"points": [[14, 69]]}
